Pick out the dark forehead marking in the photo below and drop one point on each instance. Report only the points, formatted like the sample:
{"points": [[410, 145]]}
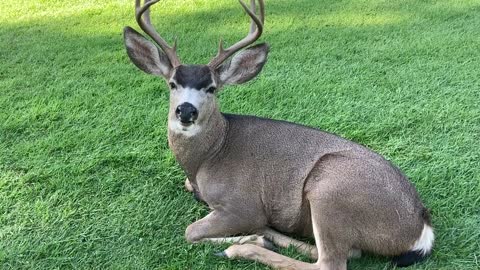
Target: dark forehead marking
{"points": [[193, 76]]}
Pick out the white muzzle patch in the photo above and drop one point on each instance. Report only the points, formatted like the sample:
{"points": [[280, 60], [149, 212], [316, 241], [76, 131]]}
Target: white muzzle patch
{"points": [[180, 96]]}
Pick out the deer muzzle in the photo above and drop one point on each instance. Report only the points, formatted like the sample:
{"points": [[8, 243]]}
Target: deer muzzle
{"points": [[186, 113]]}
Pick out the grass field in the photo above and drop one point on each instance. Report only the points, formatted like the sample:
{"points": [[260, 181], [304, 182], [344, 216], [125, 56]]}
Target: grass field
{"points": [[86, 177]]}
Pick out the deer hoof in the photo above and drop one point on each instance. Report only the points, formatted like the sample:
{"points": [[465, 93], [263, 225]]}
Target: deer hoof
{"points": [[188, 186], [268, 244], [220, 254]]}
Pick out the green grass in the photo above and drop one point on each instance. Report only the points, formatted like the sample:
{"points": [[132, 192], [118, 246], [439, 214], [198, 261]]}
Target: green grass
{"points": [[86, 177]]}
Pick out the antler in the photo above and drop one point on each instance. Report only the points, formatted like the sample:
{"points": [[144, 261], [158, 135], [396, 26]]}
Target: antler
{"points": [[256, 29], [147, 27]]}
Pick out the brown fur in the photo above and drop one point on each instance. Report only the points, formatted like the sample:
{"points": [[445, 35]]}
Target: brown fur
{"points": [[285, 170], [259, 174]]}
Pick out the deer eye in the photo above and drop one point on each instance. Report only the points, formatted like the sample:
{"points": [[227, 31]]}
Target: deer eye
{"points": [[172, 85], [211, 89]]}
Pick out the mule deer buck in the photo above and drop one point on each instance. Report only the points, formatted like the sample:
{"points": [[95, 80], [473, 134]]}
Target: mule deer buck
{"points": [[265, 178]]}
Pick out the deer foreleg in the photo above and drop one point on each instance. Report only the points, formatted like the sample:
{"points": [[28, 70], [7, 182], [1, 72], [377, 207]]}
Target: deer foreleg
{"points": [[311, 251], [265, 256], [217, 225], [284, 241], [258, 240]]}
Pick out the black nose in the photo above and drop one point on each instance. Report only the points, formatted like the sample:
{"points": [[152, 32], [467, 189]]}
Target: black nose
{"points": [[186, 113]]}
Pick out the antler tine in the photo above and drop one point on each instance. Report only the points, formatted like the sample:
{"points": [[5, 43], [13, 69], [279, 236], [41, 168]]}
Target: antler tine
{"points": [[252, 23], [146, 16], [256, 29], [146, 25]]}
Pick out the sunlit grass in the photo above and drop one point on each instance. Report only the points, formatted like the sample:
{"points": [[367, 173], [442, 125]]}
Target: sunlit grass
{"points": [[86, 177]]}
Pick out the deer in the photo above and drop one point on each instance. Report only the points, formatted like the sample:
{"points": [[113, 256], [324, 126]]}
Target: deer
{"points": [[269, 182]]}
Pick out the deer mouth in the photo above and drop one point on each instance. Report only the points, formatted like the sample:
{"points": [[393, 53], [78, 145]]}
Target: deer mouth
{"points": [[187, 123]]}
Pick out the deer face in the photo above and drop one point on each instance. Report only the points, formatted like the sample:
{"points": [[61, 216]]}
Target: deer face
{"points": [[192, 98], [193, 87]]}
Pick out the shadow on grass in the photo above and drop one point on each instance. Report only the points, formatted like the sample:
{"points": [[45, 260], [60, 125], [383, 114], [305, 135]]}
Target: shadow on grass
{"points": [[290, 27]]}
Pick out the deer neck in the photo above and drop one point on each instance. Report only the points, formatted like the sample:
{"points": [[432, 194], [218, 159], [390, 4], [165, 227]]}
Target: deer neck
{"points": [[192, 151]]}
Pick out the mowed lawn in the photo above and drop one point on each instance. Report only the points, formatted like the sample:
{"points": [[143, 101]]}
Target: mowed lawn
{"points": [[86, 177]]}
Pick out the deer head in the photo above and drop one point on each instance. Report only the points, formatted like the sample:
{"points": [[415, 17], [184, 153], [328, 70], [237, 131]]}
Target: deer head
{"points": [[193, 87]]}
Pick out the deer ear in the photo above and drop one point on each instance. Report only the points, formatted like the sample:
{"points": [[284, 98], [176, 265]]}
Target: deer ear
{"points": [[145, 55], [244, 66]]}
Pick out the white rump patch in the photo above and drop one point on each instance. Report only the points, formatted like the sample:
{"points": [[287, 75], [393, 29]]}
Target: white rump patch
{"points": [[425, 242]]}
